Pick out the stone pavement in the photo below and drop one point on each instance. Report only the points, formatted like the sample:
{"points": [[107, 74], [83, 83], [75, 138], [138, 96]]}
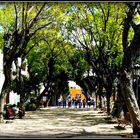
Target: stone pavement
{"points": [[54, 122]]}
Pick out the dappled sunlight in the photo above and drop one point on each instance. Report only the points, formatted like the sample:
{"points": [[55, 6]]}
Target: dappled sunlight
{"points": [[58, 122]]}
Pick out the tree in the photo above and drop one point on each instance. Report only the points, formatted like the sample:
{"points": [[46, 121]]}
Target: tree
{"points": [[95, 28], [51, 58], [131, 51], [20, 22]]}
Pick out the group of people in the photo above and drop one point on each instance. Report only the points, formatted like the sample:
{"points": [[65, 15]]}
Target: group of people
{"points": [[12, 111], [76, 102]]}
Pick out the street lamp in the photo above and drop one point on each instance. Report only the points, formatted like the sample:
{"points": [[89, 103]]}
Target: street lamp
{"points": [[137, 74]]}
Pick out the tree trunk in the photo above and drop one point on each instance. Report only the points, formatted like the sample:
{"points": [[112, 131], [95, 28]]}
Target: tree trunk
{"points": [[1, 108], [108, 97], [53, 100], [96, 103], [100, 101], [6, 86], [108, 87], [4, 92], [130, 99], [108, 103], [126, 79], [119, 104], [47, 101]]}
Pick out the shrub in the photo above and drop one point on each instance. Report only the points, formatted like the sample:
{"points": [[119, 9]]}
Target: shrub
{"points": [[30, 107]]}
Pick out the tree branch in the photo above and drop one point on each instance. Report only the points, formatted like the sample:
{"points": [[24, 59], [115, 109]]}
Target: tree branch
{"points": [[39, 28], [16, 16], [126, 24], [23, 16], [35, 18]]}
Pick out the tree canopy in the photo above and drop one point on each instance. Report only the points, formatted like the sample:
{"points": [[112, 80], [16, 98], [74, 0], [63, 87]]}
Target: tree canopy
{"points": [[63, 41]]}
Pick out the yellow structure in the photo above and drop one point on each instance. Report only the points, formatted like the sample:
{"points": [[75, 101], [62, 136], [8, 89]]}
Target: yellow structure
{"points": [[77, 93]]}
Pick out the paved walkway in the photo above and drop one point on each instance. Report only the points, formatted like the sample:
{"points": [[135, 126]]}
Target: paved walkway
{"points": [[54, 122]]}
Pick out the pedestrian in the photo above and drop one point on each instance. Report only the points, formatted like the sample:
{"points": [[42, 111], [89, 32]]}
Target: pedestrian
{"points": [[84, 103], [76, 102], [59, 101], [79, 102], [92, 101], [15, 109], [73, 101], [64, 102], [88, 102], [69, 102], [21, 112]]}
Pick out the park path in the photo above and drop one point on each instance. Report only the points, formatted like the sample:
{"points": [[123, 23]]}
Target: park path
{"points": [[54, 122]]}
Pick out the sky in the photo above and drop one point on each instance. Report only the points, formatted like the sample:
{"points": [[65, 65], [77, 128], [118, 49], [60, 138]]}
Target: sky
{"points": [[2, 4], [73, 84], [0, 28]]}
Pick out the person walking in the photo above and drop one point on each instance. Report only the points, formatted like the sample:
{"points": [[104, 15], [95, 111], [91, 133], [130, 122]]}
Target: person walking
{"points": [[15, 109], [80, 102], [89, 102], [76, 102], [84, 103], [64, 102], [59, 101], [69, 102], [73, 101]]}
